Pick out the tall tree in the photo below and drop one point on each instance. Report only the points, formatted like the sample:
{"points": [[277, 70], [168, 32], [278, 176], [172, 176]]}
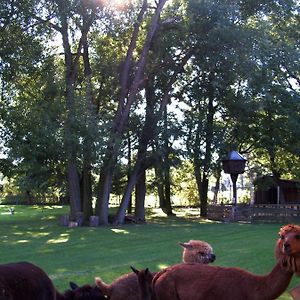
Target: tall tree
{"points": [[128, 95]]}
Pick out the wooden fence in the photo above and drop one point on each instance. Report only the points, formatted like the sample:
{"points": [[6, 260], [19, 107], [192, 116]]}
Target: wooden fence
{"points": [[255, 213]]}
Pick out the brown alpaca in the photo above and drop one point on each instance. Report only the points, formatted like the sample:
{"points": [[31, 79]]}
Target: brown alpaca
{"points": [[199, 282], [145, 278], [24, 281], [124, 287], [85, 292], [127, 286], [196, 251], [295, 293]]}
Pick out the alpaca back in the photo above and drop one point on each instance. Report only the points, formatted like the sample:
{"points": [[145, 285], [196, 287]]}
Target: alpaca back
{"points": [[24, 281], [124, 287], [201, 282], [85, 292]]}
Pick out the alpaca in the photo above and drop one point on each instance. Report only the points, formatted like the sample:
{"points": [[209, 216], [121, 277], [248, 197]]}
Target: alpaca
{"points": [[124, 287], [127, 286], [85, 292], [23, 281], [196, 251], [199, 282], [145, 283], [295, 292]]}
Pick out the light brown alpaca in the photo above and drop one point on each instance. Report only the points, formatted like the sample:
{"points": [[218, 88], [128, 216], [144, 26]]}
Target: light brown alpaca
{"points": [[126, 287], [196, 251], [199, 282]]}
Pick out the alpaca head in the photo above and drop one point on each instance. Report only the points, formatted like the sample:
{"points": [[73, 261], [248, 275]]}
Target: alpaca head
{"points": [[287, 249], [84, 292], [145, 282], [196, 251], [144, 276]]}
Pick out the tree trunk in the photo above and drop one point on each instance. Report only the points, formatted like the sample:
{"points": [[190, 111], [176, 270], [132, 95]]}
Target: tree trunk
{"points": [[91, 126], [71, 72], [208, 151], [104, 189], [196, 158], [70, 144], [160, 184], [203, 196], [87, 204], [120, 217], [167, 208], [140, 194], [147, 134], [129, 171], [163, 184], [74, 189], [127, 98], [217, 186]]}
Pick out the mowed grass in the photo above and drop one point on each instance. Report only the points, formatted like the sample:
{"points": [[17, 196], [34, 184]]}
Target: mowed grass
{"points": [[79, 254]]}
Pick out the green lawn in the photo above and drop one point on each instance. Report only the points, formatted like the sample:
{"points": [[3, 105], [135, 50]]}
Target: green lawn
{"points": [[79, 254]]}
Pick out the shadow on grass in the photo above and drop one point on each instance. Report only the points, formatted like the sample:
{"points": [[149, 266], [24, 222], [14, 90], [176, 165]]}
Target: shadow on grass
{"points": [[181, 216]]}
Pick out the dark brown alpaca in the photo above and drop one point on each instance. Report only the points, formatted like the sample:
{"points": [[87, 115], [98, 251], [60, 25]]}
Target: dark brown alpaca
{"points": [[85, 292], [24, 281], [199, 282], [145, 283]]}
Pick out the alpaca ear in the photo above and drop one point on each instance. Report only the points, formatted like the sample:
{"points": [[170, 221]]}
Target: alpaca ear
{"points": [[186, 246], [97, 281], [73, 285], [134, 270], [147, 271]]}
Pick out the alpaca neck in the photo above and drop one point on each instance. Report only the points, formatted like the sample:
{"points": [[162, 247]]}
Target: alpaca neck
{"points": [[59, 296], [146, 293], [275, 283]]}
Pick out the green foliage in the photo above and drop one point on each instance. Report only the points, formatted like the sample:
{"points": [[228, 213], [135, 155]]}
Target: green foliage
{"points": [[184, 184], [32, 131]]}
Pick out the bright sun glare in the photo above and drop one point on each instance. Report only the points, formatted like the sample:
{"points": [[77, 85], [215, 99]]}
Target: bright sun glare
{"points": [[117, 4]]}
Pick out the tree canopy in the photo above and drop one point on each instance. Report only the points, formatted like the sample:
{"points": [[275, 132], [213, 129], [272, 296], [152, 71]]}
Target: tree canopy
{"points": [[95, 94]]}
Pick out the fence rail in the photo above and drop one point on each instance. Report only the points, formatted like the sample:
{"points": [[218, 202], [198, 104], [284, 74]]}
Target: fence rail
{"points": [[255, 213]]}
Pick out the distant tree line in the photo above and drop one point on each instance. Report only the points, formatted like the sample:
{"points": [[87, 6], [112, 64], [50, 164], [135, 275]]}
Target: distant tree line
{"points": [[96, 93]]}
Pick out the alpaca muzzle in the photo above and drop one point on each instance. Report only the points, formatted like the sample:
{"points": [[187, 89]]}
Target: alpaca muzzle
{"points": [[212, 258], [287, 248]]}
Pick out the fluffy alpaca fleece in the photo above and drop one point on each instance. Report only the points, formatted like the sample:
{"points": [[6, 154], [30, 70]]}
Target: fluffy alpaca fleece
{"points": [[85, 292], [24, 281], [206, 282], [127, 286], [124, 287], [287, 251], [196, 251]]}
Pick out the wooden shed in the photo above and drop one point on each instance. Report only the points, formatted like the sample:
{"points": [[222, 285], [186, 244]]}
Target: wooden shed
{"points": [[282, 191]]}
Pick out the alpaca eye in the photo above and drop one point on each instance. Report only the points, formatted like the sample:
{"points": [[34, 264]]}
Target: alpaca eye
{"points": [[282, 237], [202, 253]]}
